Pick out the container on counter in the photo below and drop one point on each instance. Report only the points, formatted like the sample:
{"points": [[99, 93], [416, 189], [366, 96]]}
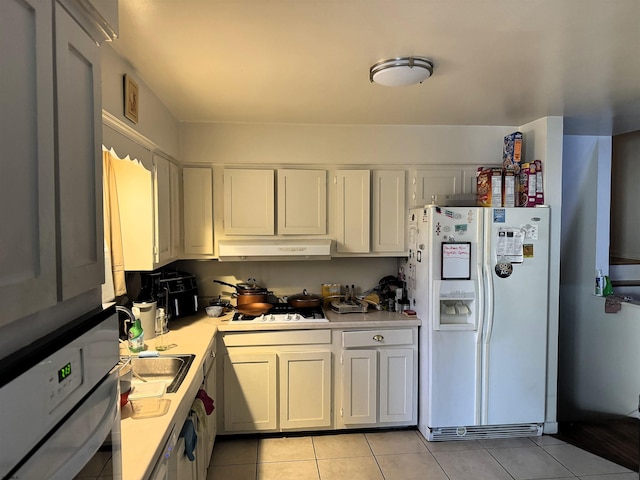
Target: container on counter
{"points": [[330, 289]]}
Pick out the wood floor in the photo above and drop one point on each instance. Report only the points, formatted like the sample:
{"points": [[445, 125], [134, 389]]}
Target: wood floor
{"points": [[616, 439]]}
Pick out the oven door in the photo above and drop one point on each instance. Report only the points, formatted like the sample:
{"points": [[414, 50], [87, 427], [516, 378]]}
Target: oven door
{"points": [[75, 441]]}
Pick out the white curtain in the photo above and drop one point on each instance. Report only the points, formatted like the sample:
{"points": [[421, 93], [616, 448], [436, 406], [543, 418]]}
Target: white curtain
{"points": [[114, 258]]}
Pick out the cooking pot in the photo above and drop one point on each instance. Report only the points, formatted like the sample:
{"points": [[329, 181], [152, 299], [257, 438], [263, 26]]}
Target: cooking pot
{"points": [[247, 292], [254, 309], [305, 300]]}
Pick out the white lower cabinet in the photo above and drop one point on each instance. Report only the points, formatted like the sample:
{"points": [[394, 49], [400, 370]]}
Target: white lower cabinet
{"points": [[250, 392], [305, 390], [378, 378], [284, 386], [185, 468], [208, 431]]}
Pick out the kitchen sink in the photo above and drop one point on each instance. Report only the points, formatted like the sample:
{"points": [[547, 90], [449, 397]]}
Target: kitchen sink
{"points": [[171, 369]]}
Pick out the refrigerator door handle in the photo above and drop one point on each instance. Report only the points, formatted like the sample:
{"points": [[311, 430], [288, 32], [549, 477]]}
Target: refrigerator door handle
{"points": [[488, 312]]}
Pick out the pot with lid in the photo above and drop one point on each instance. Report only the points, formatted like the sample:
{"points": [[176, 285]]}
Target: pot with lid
{"points": [[248, 292], [305, 300]]}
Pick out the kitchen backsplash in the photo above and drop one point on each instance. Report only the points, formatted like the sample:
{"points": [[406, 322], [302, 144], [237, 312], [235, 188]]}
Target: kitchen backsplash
{"points": [[289, 277]]}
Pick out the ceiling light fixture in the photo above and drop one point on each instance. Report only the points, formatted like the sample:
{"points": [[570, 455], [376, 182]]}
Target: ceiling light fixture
{"points": [[402, 71]]}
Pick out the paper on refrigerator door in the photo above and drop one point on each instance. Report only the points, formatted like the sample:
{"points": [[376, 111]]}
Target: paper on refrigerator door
{"points": [[509, 245]]}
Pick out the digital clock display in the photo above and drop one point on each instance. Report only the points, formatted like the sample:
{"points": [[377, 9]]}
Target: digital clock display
{"points": [[64, 372]]}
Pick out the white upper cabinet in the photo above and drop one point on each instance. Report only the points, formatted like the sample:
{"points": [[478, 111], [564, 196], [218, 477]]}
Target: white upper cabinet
{"points": [[51, 132], [302, 202], [27, 183], [79, 158], [388, 220], [353, 207], [197, 190], [433, 184], [162, 203], [176, 222], [248, 202]]}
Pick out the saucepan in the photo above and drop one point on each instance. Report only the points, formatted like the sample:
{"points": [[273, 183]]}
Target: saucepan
{"points": [[247, 292], [305, 300]]}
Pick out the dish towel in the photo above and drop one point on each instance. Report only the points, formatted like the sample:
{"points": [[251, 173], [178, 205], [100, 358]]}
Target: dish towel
{"points": [[200, 414], [190, 439], [206, 400]]}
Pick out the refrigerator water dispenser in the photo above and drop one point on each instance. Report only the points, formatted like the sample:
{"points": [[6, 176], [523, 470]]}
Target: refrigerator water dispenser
{"points": [[455, 305]]}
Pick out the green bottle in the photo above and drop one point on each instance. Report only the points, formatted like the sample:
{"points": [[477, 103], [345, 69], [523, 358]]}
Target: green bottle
{"points": [[136, 337]]}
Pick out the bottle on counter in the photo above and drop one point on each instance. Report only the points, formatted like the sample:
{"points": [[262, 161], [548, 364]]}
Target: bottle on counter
{"points": [[600, 283], [136, 336]]}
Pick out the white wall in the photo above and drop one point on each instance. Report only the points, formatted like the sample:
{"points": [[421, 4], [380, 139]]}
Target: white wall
{"points": [[277, 144], [599, 354], [288, 278], [543, 141], [155, 123]]}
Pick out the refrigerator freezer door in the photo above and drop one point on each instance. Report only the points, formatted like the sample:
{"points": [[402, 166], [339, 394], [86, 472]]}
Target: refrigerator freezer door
{"points": [[516, 270], [450, 358]]}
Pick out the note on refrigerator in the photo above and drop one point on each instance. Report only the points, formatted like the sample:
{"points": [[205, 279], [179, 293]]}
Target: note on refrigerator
{"points": [[509, 246]]}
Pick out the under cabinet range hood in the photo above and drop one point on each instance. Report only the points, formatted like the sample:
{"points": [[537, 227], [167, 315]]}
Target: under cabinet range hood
{"points": [[265, 250]]}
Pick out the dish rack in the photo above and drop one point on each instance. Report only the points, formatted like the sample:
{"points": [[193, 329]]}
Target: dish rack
{"points": [[348, 307]]}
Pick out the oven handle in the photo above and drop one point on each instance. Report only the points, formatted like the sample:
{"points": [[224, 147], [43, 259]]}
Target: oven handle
{"points": [[79, 435]]}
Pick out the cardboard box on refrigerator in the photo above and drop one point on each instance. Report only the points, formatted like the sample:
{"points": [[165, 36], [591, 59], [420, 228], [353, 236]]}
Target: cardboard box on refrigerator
{"points": [[509, 188], [527, 185], [489, 187], [512, 151]]}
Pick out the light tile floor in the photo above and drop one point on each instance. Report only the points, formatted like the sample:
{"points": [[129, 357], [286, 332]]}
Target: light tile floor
{"points": [[405, 455]]}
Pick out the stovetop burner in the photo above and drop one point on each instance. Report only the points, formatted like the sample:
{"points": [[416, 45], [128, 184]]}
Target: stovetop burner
{"points": [[284, 313]]}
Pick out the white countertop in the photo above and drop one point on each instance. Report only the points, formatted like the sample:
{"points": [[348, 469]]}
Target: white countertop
{"points": [[143, 439]]}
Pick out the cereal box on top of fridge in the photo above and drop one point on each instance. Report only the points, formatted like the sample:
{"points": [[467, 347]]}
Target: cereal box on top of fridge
{"points": [[539, 187], [527, 185], [489, 187], [509, 193], [512, 151]]}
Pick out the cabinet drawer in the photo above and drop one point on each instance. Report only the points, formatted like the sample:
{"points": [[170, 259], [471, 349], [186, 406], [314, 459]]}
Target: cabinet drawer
{"points": [[281, 337], [373, 338]]}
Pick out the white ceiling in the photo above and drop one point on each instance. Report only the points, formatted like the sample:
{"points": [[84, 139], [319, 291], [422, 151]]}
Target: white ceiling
{"points": [[497, 62]]}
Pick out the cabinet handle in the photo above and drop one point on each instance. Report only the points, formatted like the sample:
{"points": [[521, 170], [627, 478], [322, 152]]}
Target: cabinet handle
{"points": [[378, 338]]}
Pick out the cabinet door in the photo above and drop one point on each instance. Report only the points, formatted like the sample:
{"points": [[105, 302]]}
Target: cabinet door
{"points": [[388, 211], [305, 390], [396, 385], [359, 387], [212, 426], [435, 184], [79, 122], [176, 224], [198, 210], [250, 392], [27, 188], [353, 206], [302, 202], [162, 197], [248, 202], [185, 469], [470, 180]]}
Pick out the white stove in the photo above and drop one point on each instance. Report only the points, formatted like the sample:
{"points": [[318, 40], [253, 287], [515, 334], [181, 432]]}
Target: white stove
{"points": [[280, 318]]}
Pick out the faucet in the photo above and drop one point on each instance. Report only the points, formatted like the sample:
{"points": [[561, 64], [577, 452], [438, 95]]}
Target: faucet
{"points": [[129, 320]]}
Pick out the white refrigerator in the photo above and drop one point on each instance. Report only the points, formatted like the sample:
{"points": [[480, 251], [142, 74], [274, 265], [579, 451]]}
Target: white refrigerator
{"points": [[478, 280]]}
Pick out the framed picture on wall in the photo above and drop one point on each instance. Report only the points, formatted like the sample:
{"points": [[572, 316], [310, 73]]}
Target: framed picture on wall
{"points": [[131, 99]]}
